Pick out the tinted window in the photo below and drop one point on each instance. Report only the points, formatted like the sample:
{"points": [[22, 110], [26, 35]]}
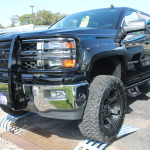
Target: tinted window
{"points": [[103, 19]]}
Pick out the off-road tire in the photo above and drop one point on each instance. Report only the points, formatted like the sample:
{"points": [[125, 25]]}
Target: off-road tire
{"points": [[93, 125], [13, 112]]}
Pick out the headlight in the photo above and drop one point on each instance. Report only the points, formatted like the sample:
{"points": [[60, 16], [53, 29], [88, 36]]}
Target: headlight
{"points": [[57, 53], [58, 44]]}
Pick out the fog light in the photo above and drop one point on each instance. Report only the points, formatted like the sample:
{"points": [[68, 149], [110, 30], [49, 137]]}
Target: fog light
{"points": [[52, 95]]}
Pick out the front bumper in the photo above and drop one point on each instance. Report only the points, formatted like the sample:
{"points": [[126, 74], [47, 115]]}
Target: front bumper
{"points": [[57, 101], [37, 90]]}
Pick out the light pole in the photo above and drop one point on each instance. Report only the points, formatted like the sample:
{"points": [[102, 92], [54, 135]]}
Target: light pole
{"points": [[37, 6], [32, 13]]}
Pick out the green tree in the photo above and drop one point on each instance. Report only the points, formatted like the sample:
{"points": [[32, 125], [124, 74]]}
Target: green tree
{"points": [[14, 20], [25, 19], [44, 17]]}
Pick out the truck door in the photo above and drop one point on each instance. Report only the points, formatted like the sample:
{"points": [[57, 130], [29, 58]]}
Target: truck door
{"points": [[138, 51]]}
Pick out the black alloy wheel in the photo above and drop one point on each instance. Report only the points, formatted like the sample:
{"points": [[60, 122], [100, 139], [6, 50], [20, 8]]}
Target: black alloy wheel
{"points": [[112, 109]]}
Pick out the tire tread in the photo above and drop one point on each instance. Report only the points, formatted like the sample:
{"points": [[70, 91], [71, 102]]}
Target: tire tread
{"points": [[89, 126]]}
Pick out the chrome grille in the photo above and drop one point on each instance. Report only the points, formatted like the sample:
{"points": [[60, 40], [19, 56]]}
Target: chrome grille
{"points": [[28, 54], [29, 46], [29, 64], [37, 54]]}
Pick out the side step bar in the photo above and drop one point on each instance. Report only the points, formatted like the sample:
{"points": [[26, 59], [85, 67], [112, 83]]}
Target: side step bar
{"points": [[133, 92]]}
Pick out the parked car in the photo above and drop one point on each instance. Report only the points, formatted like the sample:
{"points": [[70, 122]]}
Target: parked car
{"points": [[81, 68]]}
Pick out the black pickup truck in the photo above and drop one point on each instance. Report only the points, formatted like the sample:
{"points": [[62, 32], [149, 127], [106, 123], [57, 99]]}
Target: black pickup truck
{"points": [[81, 68]]}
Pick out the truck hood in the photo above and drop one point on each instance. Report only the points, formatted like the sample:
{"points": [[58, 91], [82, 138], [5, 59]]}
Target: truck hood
{"points": [[73, 32], [76, 32]]}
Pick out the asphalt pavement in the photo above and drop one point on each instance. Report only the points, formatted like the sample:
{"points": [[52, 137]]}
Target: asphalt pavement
{"points": [[138, 115]]}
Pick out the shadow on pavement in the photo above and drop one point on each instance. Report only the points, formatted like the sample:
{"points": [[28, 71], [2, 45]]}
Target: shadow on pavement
{"points": [[47, 127], [145, 89]]}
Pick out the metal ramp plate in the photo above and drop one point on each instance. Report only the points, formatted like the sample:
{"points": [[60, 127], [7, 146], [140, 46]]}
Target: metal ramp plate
{"points": [[8, 122], [93, 145]]}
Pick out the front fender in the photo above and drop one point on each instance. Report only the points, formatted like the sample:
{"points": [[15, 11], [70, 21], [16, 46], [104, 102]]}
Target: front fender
{"points": [[92, 50]]}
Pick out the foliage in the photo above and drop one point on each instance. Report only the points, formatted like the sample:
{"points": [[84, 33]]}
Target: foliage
{"points": [[43, 17], [25, 19], [14, 20]]}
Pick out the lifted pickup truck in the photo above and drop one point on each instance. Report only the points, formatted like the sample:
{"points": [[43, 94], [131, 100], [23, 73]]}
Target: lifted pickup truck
{"points": [[82, 68]]}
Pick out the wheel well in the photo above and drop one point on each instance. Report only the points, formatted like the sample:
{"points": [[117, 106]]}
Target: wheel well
{"points": [[114, 65]]}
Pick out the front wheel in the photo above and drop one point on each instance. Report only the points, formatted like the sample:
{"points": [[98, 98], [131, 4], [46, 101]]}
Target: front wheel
{"points": [[105, 109]]}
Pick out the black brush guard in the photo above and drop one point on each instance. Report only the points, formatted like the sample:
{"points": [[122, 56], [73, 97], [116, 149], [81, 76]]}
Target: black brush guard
{"points": [[9, 76]]}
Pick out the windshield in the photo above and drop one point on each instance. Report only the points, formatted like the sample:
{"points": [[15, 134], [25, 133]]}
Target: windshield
{"points": [[102, 19]]}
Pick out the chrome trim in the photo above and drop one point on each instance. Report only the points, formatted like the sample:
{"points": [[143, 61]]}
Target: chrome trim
{"points": [[48, 39], [74, 114], [36, 93], [40, 51]]}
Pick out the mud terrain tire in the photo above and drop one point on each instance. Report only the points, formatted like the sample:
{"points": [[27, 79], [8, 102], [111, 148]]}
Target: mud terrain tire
{"points": [[105, 110]]}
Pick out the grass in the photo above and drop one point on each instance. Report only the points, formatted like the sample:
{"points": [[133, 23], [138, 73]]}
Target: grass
{"points": [[3, 87], [68, 104]]}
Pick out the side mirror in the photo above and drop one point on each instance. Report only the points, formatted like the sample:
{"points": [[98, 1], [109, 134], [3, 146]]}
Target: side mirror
{"points": [[134, 26]]}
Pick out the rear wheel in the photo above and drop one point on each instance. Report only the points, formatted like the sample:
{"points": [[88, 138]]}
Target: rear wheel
{"points": [[13, 112], [105, 109]]}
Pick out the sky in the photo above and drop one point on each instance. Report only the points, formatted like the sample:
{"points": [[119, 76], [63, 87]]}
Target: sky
{"points": [[19, 7]]}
